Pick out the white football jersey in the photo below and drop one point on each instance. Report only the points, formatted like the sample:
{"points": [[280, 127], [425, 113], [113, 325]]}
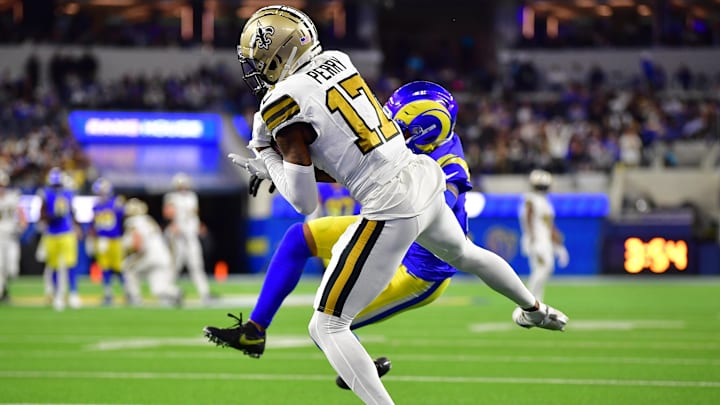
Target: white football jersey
{"points": [[150, 232], [542, 221], [9, 221], [357, 144], [186, 210]]}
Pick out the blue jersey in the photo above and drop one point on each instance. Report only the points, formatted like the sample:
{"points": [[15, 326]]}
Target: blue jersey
{"points": [[335, 200], [108, 217], [418, 260], [58, 208]]}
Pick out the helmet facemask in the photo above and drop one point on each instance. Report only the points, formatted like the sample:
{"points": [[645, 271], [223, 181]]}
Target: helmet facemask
{"points": [[426, 113], [540, 180], [252, 77], [275, 42]]}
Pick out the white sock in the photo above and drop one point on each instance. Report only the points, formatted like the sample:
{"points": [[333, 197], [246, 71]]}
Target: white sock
{"points": [[495, 272], [348, 357]]}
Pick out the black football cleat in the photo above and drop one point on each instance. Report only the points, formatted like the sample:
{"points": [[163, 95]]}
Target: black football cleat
{"points": [[242, 336], [382, 364]]}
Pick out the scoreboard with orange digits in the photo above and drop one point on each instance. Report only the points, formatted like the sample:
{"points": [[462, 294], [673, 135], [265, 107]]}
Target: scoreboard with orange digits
{"points": [[658, 255], [651, 249]]}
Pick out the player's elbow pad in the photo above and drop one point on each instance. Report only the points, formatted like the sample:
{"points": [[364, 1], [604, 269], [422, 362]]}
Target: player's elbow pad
{"points": [[295, 182], [302, 187]]}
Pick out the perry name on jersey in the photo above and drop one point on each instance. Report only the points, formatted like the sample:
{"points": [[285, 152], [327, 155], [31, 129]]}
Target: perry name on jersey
{"points": [[357, 144]]}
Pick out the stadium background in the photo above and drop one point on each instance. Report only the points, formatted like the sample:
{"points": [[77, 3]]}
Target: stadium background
{"points": [[619, 99]]}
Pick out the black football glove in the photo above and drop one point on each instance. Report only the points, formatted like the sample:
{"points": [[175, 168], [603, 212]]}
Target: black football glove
{"points": [[255, 182]]}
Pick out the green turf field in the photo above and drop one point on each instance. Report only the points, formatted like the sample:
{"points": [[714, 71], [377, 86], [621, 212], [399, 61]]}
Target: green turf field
{"points": [[628, 342]]}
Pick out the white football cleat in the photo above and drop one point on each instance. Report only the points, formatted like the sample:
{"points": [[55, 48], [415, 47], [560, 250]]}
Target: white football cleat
{"points": [[75, 301], [59, 303], [545, 317]]}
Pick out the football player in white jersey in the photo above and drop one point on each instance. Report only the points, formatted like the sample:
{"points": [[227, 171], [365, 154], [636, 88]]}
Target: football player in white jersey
{"points": [[322, 115], [180, 207], [149, 257], [541, 240], [12, 224]]}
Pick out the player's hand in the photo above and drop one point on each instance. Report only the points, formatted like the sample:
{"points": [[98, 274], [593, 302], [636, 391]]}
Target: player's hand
{"points": [[255, 182], [562, 255], [256, 166]]}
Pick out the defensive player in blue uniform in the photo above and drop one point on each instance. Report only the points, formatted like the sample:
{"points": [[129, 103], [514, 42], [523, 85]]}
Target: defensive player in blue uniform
{"points": [[426, 112], [106, 235], [335, 200], [327, 125], [60, 239]]}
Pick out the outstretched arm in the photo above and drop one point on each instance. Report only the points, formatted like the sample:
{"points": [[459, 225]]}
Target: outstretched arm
{"points": [[293, 173]]}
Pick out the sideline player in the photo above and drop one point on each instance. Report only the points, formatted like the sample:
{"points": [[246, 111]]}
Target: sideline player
{"points": [[180, 207], [148, 257], [334, 201], [429, 111], [541, 240], [321, 114], [12, 223], [105, 239], [60, 239]]}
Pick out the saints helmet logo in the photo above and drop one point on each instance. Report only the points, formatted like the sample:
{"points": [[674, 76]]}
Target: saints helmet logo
{"points": [[262, 36]]}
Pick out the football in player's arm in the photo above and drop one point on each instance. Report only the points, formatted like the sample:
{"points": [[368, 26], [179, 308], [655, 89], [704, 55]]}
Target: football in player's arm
{"points": [[323, 115]]}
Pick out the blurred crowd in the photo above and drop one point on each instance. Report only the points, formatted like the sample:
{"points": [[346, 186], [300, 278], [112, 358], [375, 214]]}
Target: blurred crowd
{"points": [[512, 121], [567, 120], [35, 136]]}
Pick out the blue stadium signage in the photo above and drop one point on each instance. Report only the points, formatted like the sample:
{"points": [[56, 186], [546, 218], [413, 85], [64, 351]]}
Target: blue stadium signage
{"points": [[145, 127]]}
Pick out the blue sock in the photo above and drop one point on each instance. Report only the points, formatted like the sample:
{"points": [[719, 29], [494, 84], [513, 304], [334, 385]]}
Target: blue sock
{"points": [[107, 277], [72, 278], [283, 274]]}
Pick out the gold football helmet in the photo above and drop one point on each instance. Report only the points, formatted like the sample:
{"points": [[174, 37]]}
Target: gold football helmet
{"points": [[181, 181], [540, 179], [275, 42], [135, 206]]}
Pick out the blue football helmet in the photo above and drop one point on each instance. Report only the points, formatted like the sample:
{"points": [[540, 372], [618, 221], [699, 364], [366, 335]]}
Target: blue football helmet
{"points": [[102, 187], [426, 113], [55, 177]]}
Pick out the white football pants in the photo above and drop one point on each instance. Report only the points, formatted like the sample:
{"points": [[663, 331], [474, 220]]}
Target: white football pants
{"points": [[187, 252], [364, 261]]}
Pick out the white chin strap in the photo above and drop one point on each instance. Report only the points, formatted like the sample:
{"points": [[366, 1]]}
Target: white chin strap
{"points": [[288, 64]]}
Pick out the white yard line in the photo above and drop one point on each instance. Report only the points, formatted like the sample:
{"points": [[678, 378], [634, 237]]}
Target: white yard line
{"points": [[317, 377], [232, 355], [698, 342], [558, 343], [588, 325]]}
